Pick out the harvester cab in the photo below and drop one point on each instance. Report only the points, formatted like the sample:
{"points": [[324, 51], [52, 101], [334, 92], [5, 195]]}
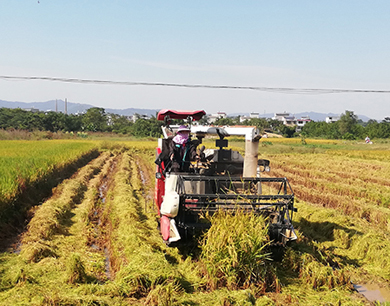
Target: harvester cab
{"points": [[217, 179]]}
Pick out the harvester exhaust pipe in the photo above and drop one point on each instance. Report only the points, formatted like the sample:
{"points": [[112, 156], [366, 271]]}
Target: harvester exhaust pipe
{"points": [[251, 157]]}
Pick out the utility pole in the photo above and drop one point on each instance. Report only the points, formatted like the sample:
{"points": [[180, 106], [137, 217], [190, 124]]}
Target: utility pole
{"points": [[56, 106], [66, 106]]}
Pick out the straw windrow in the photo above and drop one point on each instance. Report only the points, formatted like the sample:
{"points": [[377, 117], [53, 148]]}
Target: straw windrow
{"points": [[234, 252]]}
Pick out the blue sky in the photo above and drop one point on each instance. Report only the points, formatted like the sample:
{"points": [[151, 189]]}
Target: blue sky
{"points": [[295, 44]]}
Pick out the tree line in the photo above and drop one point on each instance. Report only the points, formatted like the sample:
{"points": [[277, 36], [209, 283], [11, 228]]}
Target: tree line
{"points": [[97, 120], [348, 127]]}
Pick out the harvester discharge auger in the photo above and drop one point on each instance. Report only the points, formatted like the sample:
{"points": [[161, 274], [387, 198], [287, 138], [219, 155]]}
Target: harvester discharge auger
{"points": [[215, 179]]}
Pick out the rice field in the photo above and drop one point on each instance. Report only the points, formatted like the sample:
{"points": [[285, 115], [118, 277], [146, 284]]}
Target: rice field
{"points": [[94, 239], [24, 162]]}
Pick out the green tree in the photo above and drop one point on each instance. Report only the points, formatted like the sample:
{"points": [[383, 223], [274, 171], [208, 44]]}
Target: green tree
{"points": [[224, 121], [287, 131], [5, 118], [204, 120], [347, 122], [54, 122], [378, 130], [73, 123], [321, 129], [121, 124], [275, 125], [147, 128], [95, 120], [260, 123], [236, 120], [17, 118]]}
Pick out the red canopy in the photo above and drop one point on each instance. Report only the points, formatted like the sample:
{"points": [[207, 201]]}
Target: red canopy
{"points": [[180, 114]]}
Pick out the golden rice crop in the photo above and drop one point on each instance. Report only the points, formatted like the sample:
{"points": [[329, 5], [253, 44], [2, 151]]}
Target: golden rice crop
{"points": [[355, 185], [278, 140], [24, 162], [234, 252], [344, 242], [378, 154]]}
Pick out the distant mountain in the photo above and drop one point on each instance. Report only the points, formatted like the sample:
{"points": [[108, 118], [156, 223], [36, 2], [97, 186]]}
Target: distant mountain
{"points": [[132, 111], [74, 108]]}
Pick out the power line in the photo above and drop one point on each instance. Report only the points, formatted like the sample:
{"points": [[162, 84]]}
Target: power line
{"points": [[285, 90]]}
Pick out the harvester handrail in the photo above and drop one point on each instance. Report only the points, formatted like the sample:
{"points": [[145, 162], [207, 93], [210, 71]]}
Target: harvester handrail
{"points": [[201, 178], [241, 196], [232, 178]]}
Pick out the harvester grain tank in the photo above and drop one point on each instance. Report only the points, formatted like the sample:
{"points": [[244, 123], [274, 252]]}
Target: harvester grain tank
{"points": [[218, 179]]}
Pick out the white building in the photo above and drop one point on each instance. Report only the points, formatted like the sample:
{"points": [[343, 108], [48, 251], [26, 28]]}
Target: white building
{"points": [[135, 117], [286, 118], [32, 109], [301, 123], [332, 119], [252, 115], [243, 118], [280, 116], [213, 117], [290, 120]]}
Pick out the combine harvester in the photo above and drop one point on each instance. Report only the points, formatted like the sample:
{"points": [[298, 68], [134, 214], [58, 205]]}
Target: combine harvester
{"points": [[218, 179]]}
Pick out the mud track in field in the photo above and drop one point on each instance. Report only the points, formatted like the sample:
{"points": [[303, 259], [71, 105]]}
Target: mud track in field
{"points": [[99, 240], [103, 230], [145, 176]]}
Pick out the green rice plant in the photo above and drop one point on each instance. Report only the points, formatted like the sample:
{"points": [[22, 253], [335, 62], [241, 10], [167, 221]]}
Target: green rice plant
{"points": [[234, 252]]}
